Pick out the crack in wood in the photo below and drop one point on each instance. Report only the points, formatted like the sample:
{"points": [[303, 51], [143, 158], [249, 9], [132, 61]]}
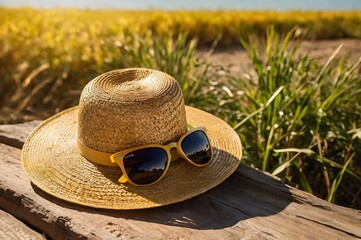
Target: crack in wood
{"points": [[15, 135], [12, 142], [330, 226], [228, 205]]}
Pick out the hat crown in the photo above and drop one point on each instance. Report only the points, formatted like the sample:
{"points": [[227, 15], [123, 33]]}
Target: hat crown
{"points": [[130, 107]]}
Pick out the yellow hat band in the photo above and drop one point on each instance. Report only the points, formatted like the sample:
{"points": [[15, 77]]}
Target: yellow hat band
{"points": [[95, 156]]}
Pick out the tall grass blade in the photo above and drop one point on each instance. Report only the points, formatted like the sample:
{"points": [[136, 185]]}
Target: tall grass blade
{"points": [[336, 165], [329, 60], [303, 178], [270, 100], [274, 95], [297, 150], [247, 118], [284, 165], [34, 73], [336, 182]]}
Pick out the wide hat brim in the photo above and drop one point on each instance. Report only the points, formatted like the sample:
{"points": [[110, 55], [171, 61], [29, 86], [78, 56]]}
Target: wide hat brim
{"points": [[52, 162]]}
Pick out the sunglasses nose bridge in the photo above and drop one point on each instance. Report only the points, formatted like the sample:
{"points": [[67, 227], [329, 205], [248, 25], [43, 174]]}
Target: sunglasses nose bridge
{"points": [[172, 145]]}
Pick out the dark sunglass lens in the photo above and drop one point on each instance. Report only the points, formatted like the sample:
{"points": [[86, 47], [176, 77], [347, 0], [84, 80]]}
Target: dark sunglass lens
{"points": [[197, 148], [145, 166]]}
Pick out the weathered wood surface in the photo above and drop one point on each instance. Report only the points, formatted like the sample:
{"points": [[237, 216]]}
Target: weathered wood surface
{"points": [[11, 228], [250, 204]]}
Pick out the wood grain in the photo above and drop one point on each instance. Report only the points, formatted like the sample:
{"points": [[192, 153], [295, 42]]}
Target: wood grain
{"points": [[13, 229], [15, 134], [250, 204]]}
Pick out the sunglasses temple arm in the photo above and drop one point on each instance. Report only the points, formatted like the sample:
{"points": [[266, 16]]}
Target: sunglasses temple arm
{"points": [[123, 179]]}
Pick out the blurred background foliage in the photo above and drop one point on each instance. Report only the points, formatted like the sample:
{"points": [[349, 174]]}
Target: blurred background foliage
{"points": [[298, 118]]}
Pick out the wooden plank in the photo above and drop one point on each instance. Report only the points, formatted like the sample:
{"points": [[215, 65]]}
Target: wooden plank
{"points": [[13, 229], [15, 134], [250, 204]]}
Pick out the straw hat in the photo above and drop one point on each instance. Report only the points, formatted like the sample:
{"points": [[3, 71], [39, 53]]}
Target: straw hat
{"points": [[118, 110]]}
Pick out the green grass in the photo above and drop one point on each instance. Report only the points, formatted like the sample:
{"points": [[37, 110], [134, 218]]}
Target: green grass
{"points": [[301, 121]]}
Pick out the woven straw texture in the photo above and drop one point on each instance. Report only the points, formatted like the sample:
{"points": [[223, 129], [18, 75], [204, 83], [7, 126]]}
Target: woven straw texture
{"points": [[131, 107], [52, 162]]}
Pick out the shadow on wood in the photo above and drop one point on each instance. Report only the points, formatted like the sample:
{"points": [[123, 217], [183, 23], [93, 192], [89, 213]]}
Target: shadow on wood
{"points": [[236, 199]]}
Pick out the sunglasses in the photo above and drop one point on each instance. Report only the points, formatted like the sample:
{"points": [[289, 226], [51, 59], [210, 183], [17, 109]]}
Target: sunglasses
{"points": [[146, 165]]}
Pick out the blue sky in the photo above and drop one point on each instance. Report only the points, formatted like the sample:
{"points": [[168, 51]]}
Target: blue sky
{"points": [[192, 4]]}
